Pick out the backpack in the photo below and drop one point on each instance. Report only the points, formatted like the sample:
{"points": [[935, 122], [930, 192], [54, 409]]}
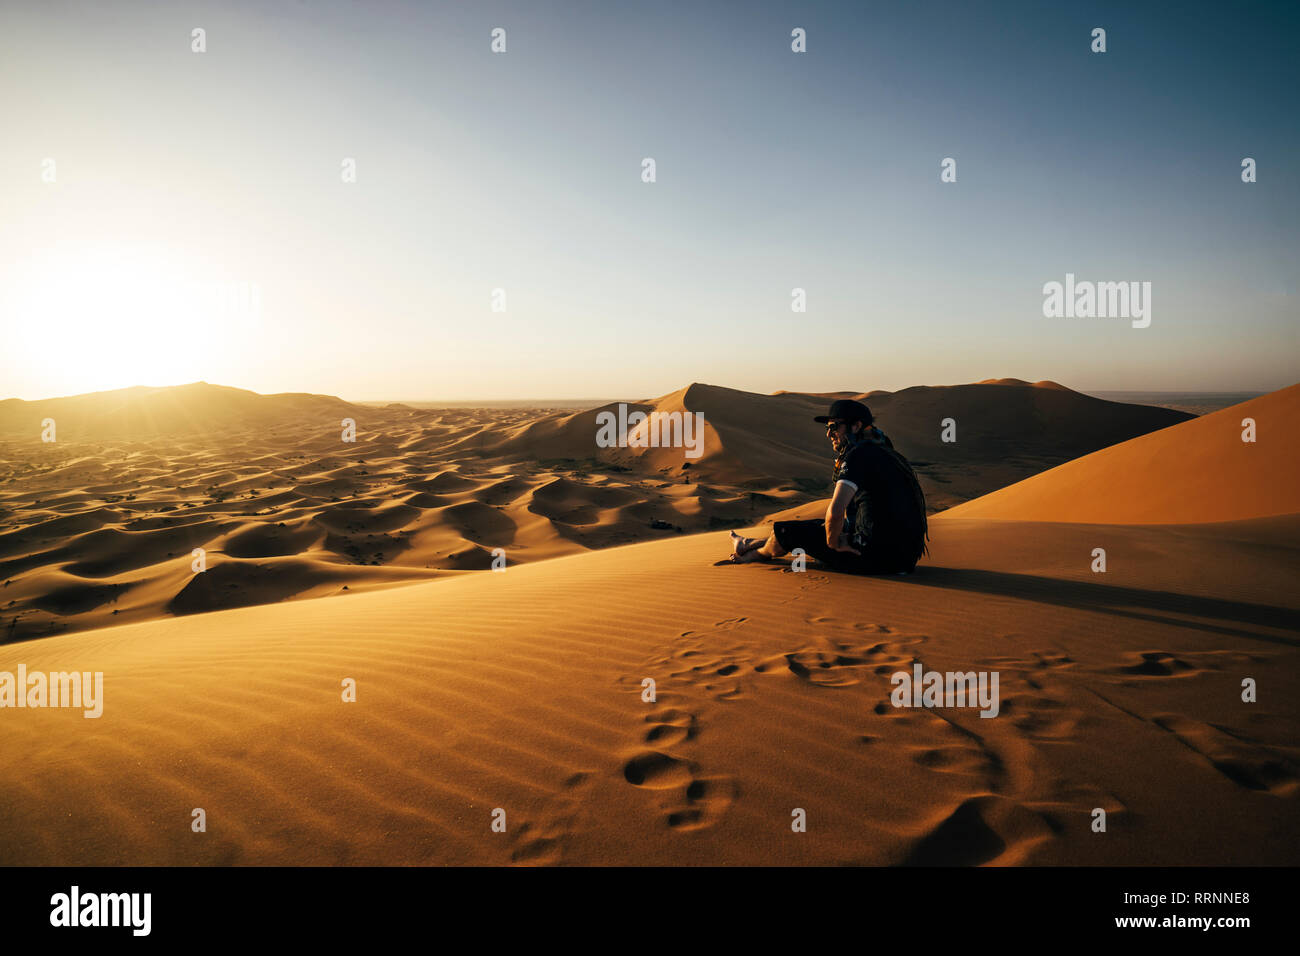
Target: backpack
{"points": [[897, 494]]}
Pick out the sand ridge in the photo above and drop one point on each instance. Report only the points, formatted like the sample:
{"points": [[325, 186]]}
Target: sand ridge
{"points": [[1200, 470]]}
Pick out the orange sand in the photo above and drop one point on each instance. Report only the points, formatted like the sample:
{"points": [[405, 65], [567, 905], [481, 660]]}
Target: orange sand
{"points": [[522, 691]]}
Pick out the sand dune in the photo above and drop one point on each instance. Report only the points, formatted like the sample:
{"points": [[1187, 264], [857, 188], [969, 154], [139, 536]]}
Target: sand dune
{"points": [[142, 413], [1006, 431], [99, 527], [522, 691], [1012, 427], [1200, 470]]}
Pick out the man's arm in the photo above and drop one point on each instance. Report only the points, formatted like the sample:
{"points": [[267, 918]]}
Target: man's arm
{"points": [[835, 511]]}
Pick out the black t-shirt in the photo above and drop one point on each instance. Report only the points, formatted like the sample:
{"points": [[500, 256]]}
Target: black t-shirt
{"points": [[883, 511]]}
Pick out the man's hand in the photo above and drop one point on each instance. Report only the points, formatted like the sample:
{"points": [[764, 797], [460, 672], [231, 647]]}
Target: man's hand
{"points": [[836, 539], [841, 543]]}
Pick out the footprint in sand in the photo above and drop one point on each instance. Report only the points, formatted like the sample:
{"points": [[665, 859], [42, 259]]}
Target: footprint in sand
{"points": [[809, 582], [1040, 716], [705, 801], [1047, 659], [704, 662], [823, 668], [726, 625], [715, 674], [1157, 664], [1043, 714], [843, 663], [670, 726], [1165, 664], [949, 748], [1068, 806], [691, 802], [834, 623], [904, 715], [982, 829], [957, 758], [1244, 761], [542, 840], [656, 770]]}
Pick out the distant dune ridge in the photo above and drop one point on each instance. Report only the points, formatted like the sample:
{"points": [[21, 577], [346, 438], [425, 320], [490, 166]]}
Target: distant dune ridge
{"points": [[143, 412], [523, 690], [1005, 429]]}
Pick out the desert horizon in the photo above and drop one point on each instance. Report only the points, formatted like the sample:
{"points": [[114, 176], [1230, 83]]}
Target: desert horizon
{"points": [[1218, 398], [543, 487]]}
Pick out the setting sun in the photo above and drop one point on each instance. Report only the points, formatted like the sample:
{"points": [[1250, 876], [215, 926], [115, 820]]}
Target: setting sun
{"points": [[115, 314]]}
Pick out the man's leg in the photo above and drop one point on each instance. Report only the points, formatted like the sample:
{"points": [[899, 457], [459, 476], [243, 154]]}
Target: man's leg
{"points": [[809, 534], [739, 544], [771, 548]]}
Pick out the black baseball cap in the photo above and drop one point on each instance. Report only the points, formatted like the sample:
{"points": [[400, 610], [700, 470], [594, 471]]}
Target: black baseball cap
{"points": [[846, 410]]}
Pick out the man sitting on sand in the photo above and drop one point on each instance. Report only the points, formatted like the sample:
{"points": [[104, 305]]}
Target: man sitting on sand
{"points": [[875, 523]]}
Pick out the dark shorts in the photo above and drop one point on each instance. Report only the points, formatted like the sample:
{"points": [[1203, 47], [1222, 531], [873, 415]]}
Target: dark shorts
{"points": [[810, 535]]}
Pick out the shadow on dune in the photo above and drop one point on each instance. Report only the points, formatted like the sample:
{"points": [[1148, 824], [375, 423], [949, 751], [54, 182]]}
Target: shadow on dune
{"points": [[1161, 607]]}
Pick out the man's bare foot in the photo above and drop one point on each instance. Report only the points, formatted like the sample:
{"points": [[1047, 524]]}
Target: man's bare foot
{"points": [[741, 545], [749, 557]]}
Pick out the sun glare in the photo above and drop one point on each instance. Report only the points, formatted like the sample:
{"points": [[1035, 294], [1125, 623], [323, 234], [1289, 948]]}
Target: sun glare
{"points": [[102, 316]]}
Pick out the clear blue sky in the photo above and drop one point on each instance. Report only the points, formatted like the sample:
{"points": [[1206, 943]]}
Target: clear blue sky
{"points": [[522, 171]]}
